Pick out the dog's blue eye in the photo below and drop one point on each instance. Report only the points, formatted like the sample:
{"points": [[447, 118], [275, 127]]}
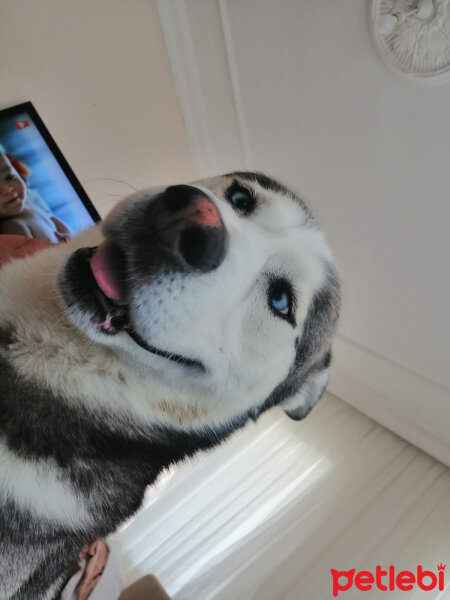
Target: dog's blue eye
{"points": [[280, 298], [281, 302], [241, 198]]}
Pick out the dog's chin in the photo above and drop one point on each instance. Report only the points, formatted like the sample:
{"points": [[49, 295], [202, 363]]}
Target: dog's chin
{"points": [[100, 316]]}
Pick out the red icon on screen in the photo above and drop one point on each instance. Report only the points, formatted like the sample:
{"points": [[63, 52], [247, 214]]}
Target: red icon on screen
{"points": [[22, 124]]}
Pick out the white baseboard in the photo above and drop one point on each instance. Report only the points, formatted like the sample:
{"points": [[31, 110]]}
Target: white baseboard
{"points": [[393, 396]]}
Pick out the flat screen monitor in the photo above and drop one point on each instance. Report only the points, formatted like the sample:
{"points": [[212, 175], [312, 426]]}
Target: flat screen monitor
{"points": [[40, 196]]}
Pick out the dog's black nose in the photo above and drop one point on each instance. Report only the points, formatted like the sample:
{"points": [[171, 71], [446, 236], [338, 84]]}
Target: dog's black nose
{"points": [[186, 230]]}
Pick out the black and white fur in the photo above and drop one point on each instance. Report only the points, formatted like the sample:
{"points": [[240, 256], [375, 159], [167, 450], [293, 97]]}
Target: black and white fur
{"points": [[89, 417]]}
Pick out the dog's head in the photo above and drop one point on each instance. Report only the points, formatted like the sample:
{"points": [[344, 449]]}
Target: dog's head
{"points": [[223, 291]]}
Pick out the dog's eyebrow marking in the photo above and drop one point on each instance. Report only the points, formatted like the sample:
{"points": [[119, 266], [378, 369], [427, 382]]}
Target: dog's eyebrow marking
{"points": [[271, 185], [264, 181]]}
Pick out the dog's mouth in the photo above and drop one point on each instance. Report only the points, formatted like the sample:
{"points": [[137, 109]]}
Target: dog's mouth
{"points": [[102, 272]]}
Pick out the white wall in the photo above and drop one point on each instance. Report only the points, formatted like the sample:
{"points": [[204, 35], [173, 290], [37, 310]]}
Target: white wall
{"points": [[313, 104], [98, 74]]}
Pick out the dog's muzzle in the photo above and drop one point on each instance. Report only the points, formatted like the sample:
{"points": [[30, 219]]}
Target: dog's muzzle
{"points": [[180, 231], [190, 225]]}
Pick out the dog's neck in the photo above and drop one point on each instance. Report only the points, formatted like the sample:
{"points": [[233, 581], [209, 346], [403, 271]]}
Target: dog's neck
{"points": [[39, 423]]}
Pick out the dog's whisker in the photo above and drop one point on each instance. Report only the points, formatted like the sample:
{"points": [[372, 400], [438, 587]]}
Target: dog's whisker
{"points": [[127, 183]]}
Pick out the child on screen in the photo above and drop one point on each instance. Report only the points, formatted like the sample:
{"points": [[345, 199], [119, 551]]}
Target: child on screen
{"points": [[22, 212]]}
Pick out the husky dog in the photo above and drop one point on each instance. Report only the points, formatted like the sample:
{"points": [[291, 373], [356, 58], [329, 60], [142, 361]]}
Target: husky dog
{"points": [[191, 310]]}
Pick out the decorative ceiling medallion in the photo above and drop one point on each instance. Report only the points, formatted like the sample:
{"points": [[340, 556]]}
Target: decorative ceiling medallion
{"points": [[413, 37]]}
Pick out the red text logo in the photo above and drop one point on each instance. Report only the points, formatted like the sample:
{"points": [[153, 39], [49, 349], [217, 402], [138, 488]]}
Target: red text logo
{"points": [[388, 580]]}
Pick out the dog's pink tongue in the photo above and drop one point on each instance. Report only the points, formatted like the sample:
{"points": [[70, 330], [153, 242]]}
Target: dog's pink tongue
{"points": [[103, 275]]}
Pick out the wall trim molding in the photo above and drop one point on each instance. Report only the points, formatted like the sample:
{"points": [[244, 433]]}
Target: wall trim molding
{"points": [[233, 70], [178, 38]]}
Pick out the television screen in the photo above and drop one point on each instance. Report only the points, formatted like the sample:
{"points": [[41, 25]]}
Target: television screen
{"points": [[40, 195]]}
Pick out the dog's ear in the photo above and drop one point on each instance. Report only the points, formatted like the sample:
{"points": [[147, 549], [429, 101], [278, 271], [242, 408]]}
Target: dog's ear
{"points": [[300, 404]]}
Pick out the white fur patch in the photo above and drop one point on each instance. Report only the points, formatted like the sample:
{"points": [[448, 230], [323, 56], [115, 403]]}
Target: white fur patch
{"points": [[37, 486], [309, 394]]}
